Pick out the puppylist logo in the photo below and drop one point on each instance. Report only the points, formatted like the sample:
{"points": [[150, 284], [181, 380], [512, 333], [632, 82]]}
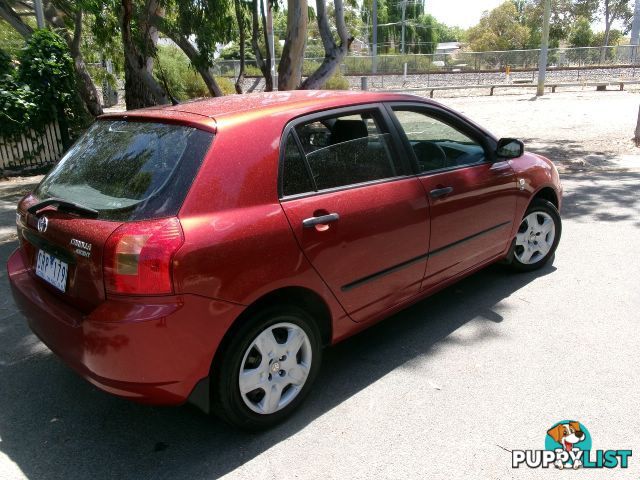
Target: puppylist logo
{"points": [[568, 445]]}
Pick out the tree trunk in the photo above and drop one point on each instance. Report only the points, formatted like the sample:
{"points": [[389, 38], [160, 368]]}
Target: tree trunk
{"points": [[141, 89], [267, 57], [333, 53], [255, 45], [86, 87], [13, 19], [290, 67], [240, 20], [637, 137]]}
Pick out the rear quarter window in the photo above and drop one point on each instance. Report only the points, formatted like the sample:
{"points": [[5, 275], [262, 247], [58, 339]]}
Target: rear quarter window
{"points": [[129, 170]]}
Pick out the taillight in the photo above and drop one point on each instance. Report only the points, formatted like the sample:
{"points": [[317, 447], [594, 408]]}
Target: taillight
{"points": [[138, 257]]}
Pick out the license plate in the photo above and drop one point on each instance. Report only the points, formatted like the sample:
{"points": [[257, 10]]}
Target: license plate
{"points": [[52, 270]]}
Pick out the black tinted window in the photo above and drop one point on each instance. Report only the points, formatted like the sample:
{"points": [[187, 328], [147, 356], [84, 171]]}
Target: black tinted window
{"points": [[347, 150], [295, 177], [437, 144], [129, 170]]}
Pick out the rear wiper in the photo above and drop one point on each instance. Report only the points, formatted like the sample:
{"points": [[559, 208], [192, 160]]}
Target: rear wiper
{"points": [[63, 205]]}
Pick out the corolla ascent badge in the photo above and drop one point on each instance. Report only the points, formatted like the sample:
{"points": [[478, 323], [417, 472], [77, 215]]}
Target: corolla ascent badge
{"points": [[43, 223]]}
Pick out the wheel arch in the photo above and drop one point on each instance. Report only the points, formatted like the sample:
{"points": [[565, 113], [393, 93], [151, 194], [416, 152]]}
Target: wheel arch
{"points": [[546, 193], [301, 297]]}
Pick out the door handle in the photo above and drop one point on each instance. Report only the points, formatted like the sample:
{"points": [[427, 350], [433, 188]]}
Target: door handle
{"points": [[321, 220], [440, 192]]}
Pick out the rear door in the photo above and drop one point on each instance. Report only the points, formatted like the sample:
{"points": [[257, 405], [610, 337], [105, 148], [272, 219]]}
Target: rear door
{"points": [[472, 197], [358, 214]]}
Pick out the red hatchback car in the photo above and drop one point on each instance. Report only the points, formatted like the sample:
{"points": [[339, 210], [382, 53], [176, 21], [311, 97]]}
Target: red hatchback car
{"points": [[208, 251]]}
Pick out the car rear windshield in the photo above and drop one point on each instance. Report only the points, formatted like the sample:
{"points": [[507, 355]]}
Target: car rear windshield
{"points": [[129, 170]]}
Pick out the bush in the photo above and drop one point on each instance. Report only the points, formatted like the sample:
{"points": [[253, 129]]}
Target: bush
{"points": [[226, 85], [336, 82], [183, 81], [42, 89], [6, 66]]}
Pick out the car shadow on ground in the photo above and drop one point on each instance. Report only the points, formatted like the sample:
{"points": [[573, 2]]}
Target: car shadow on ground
{"points": [[53, 424]]}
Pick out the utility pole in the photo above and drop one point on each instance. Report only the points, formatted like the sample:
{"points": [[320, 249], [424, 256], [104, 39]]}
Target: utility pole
{"points": [[542, 61], [404, 11], [374, 65], [635, 26], [271, 46], [39, 13]]}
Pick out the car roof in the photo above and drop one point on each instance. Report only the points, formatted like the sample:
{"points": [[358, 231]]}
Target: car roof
{"points": [[205, 112]]}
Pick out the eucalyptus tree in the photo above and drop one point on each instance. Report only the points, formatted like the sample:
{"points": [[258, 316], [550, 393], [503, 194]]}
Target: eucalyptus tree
{"points": [[334, 49]]}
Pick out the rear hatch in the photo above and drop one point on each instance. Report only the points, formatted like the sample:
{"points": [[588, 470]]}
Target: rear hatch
{"points": [[117, 173]]}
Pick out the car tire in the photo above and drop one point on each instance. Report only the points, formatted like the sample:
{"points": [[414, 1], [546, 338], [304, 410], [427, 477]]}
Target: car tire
{"points": [[537, 237], [265, 351]]}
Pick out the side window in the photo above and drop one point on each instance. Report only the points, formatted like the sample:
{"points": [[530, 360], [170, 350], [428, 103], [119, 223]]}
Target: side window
{"points": [[348, 149], [436, 144], [295, 176]]}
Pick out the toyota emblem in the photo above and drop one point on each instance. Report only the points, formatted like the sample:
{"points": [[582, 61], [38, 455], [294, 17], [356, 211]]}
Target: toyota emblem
{"points": [[43, 223]]}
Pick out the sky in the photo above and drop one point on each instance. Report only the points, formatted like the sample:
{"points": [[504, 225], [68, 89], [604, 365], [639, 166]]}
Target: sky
{"points": [[462, 13]]}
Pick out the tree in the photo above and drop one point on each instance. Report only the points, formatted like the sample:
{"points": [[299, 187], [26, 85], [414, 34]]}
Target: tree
{"points": [[12, 18], [64, 25], [637, 132], [141, 88], [334, 51], [581, 34], [290, 67], [499, 29], [613, 10], [258, 20]]}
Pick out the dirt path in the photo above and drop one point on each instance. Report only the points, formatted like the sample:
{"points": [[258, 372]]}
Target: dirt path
{"points": [[577, 130]]}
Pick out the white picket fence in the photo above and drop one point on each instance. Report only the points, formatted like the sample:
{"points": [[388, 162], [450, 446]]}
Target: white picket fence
{"points": [[32, 150]]}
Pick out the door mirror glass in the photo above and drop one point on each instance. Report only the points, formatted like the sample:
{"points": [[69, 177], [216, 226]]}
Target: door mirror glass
{"points": [[509, 148]]}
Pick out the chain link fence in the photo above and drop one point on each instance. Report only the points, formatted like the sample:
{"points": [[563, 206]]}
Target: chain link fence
{"points": [[461, 61]]}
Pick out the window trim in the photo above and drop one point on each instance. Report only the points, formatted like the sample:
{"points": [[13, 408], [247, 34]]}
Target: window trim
{"points": [[483, 138], [396, 149]]}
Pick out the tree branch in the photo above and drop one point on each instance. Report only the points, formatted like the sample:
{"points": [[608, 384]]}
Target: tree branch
{"points": [[190, 51], [13, 19]]}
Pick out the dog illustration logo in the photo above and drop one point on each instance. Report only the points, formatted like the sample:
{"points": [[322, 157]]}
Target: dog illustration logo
{"points": [[567, 434], [567, 445]]}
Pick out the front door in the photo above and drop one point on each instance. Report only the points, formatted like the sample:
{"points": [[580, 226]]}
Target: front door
{"points": [[357, 213], [472, 198]]}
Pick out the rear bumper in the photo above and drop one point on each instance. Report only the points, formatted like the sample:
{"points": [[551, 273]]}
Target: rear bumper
{"points": [[148, 349]]}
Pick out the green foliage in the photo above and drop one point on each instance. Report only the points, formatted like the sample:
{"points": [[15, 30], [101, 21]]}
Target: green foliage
{"points": [[47, 67], [183, 81], [232, 52], [615, 36], [42, 89], [446, 33], [581, 34], [337, 82], [226, 85], [10, 40], [6, 65], [173, 66], [499, 29]]}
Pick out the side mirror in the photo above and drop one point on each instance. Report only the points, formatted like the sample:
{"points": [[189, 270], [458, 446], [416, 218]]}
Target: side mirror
{"points": [[509, 148]]}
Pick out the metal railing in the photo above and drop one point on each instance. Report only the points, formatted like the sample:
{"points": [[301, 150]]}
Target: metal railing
{"points": [[462, 61]]}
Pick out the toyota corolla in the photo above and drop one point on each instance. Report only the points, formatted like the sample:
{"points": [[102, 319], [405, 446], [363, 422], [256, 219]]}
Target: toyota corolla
{"points": [[208, 251]]}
